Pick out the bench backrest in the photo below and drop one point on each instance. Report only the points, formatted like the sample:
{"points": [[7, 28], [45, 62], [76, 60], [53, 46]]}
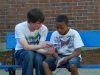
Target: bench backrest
{"points": [[91, 38]]}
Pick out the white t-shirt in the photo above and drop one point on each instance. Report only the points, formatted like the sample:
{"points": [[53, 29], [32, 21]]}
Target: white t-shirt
{"points": [[22, 31], [66, 44]]}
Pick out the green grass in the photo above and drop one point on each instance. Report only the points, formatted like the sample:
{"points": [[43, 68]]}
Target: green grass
{"points": [[82, 50], [2, 54]]}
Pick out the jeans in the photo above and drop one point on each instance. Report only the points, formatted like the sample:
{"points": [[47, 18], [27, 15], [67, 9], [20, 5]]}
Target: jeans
{"points": [[29, 60]]}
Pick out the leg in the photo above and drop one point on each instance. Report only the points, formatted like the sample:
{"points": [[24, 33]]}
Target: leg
{"points": [[49, 66], [25, 58], [47, 69], [38, 63], [72, 65], [73, 69]]}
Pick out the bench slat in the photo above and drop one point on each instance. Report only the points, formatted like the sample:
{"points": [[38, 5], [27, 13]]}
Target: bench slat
{"points": [[7, 67], [91, 38]]}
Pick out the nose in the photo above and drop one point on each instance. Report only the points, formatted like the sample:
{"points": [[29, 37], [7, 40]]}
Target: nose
{"points": [[59, 30]]}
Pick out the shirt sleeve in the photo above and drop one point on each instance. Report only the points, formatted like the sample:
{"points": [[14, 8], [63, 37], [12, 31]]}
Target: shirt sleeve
{"points": [[43, 33], [18, 32], [78, 41]]}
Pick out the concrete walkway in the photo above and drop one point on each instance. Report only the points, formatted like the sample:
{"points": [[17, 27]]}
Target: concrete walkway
{"points": [[61, 72]]}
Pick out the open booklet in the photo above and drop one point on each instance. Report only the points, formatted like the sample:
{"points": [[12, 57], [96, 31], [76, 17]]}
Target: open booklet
{"points": [[58, 63]]}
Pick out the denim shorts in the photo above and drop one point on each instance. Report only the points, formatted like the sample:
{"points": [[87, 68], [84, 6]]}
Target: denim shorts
{"points": [[52, 65]]}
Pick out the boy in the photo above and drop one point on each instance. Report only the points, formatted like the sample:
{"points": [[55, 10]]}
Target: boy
{"points": [[67, 43], [30, 36]]}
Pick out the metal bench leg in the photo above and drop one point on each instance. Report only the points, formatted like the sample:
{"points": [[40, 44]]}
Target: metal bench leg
{"points": [[12, 71]]}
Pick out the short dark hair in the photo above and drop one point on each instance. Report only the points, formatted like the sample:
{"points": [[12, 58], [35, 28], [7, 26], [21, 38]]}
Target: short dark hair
{"points": [[35, 15], [62, 18]]}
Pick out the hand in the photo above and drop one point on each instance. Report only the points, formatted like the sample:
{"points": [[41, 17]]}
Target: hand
{"points": [[57, 60], [51, 50], [44, 45], [64, 61]]}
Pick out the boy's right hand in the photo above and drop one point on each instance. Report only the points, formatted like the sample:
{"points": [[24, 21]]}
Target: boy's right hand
{"points": [[51, 50]]}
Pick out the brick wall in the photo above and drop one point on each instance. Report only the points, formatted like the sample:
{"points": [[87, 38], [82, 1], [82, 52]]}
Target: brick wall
{"points": [[82, 14]]}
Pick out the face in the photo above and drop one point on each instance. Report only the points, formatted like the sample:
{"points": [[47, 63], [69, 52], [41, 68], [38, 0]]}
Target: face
{"points": [[36, 25], [62, 28]]}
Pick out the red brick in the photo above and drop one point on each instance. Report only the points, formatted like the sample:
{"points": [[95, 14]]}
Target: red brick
{"points": [[2, 16], [73, 3], [87, 21], [93, 17], [44, 1], [88, 14], [67, 0], [81, 25], [1, 2], [11, 2], [87, 28], [32, 1], [11, 9], [11, 30], [1, 30], [47, 15], [2, 34], [96, 28], [77, 14], [97, 21], [16, 5], [71, 18], [60, 11], [2, 27], [78, 7], [96, 13], [82, 18], [94, 25], [76, 0], [54, 1], [78, 21], [5, 13]]}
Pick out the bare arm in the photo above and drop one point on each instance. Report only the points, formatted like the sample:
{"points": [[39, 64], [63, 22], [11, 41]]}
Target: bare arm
{"points": [[50, 50], [26, 46], [77, 52], [55, 55]]}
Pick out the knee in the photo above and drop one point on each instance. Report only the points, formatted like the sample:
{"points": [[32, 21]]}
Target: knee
{"points": [[38, 59], [29, 55], [73, 67], [45, 65]]}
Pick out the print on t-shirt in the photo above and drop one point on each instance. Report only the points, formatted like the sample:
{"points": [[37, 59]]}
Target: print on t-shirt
{"points": [[33, 38], [64, 44]]}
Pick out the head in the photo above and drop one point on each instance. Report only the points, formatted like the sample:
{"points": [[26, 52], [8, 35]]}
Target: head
{"points": [[62, 24], [35, 17]]}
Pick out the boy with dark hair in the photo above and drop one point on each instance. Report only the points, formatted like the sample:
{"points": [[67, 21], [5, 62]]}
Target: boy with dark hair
{"points": [[30, 36], [67, 43]]}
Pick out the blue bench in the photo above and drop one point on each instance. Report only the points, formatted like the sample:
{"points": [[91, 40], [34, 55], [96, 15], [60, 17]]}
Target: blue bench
{"points": [[91, 38]]}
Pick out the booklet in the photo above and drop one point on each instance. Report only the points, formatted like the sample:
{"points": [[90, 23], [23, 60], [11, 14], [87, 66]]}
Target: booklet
{"points": [[58, 63]]}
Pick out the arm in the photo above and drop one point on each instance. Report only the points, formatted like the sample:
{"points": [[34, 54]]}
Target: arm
{"points": [[55, 55], [75, 54], [26, 46], [50, 50]]}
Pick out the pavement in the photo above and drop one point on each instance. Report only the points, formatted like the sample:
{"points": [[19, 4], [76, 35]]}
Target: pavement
{"points": [[61, 71]]}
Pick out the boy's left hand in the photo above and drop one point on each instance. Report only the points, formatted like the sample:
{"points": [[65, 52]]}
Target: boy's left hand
{"points": [[64, 61]]}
